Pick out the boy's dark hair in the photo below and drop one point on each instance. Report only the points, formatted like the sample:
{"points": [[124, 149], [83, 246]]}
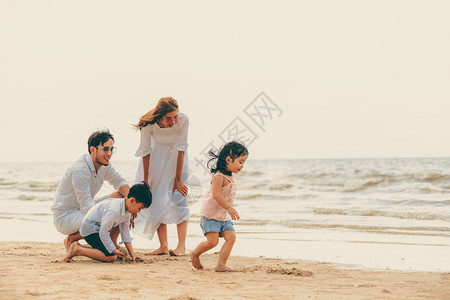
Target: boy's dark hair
{"points": [[232, 149], [141, 192], [99, 137]]}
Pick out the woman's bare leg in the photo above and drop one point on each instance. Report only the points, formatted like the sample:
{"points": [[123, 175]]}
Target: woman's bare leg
{"points": [[182, 232], [162, 236]]}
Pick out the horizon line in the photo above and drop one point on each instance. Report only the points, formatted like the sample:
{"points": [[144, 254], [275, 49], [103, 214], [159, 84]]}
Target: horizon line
{"points": [[256, 159]]}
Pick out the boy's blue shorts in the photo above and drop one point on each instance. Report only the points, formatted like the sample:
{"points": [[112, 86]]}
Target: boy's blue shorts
{"points": [[96, 243], [211, 225]]}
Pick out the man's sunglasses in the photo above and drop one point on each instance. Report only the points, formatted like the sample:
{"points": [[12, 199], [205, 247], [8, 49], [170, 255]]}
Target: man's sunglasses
{"points": [[106, 149]]}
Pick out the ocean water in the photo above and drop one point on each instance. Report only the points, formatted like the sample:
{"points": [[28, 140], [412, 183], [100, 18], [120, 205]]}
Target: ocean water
{"points": [[357, 213]]}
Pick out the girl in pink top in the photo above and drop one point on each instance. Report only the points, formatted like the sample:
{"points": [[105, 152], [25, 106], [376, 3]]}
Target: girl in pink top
{"points": [[217, 211]]}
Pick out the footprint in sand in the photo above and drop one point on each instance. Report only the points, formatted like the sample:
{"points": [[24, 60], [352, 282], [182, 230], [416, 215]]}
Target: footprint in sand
{"points": [[292, 272], [109, 278]]}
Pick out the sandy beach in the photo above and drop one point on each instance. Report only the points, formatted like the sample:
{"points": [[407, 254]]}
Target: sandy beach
{"points": [[37, 270]]}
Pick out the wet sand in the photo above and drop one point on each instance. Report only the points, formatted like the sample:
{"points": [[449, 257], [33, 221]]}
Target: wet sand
{"points": [[37, 270]]}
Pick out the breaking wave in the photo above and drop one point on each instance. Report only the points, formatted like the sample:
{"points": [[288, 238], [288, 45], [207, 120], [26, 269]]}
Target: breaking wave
{"points": [[34, 186], [364, 185], [357, 182], [281, 187], [414, 230], [379, 213]]}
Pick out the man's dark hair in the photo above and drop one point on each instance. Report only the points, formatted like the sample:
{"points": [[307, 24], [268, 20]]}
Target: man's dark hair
{"points": [[141, 192], [99, 137]]}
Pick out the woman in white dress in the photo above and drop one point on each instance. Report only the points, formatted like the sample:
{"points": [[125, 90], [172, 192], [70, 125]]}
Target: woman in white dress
{"points": [[164, 166]]}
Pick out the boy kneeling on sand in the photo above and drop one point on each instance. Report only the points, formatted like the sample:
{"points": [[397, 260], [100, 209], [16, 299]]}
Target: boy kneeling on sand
{"points": [[108, 214]]}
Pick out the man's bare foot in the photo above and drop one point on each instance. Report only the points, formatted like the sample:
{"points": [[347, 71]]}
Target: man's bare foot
{"points": [[70, 239], [178, 252], [195, 260], [67, 243], [159, 251], [72, 251], [225, 269]]}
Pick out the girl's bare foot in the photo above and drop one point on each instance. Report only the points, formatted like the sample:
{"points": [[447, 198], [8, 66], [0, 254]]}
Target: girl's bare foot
{"points": [[159, 251], [195, 260], [225, 269], [71, 252]]}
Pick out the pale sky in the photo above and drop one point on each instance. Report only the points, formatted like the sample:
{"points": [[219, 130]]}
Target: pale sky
{"points": [[352, 78]]}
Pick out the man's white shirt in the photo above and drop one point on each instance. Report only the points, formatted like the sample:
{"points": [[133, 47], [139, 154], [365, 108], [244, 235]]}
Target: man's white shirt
{"points": [[80, 184]]}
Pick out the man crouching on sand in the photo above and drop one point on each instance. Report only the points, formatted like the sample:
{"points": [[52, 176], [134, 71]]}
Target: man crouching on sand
{"points": [[82, 181], [101, 218]]}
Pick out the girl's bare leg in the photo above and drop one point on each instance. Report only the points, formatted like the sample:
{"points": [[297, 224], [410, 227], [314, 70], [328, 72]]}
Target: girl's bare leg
{"points": [[212, 239], [162, 236], [78, 250], [230, 238], [181, 248]]}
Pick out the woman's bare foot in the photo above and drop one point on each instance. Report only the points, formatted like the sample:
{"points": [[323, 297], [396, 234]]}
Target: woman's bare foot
{"points": [[225, 269], [195, 260], [178, 252], [72, 251], [159, 251]]}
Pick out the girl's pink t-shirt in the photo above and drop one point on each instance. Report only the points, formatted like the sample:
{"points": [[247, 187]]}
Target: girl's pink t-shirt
{"points": [[211, 209]]}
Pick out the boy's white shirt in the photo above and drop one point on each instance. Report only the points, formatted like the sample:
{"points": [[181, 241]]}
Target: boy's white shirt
{"points": [[105, 215]]}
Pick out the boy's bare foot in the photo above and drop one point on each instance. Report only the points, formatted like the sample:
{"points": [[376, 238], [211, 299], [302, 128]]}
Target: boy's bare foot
{"points": [[71, 252], [178, 252], [195, 259], [159, 251], [225, 269]]}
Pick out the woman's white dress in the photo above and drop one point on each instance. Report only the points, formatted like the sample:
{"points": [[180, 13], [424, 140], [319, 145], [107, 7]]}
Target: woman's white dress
{"points": [[163, 145]]}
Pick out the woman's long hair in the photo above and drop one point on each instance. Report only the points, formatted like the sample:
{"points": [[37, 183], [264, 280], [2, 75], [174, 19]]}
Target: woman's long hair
{"points": [[218, 162], [165, 105]]}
